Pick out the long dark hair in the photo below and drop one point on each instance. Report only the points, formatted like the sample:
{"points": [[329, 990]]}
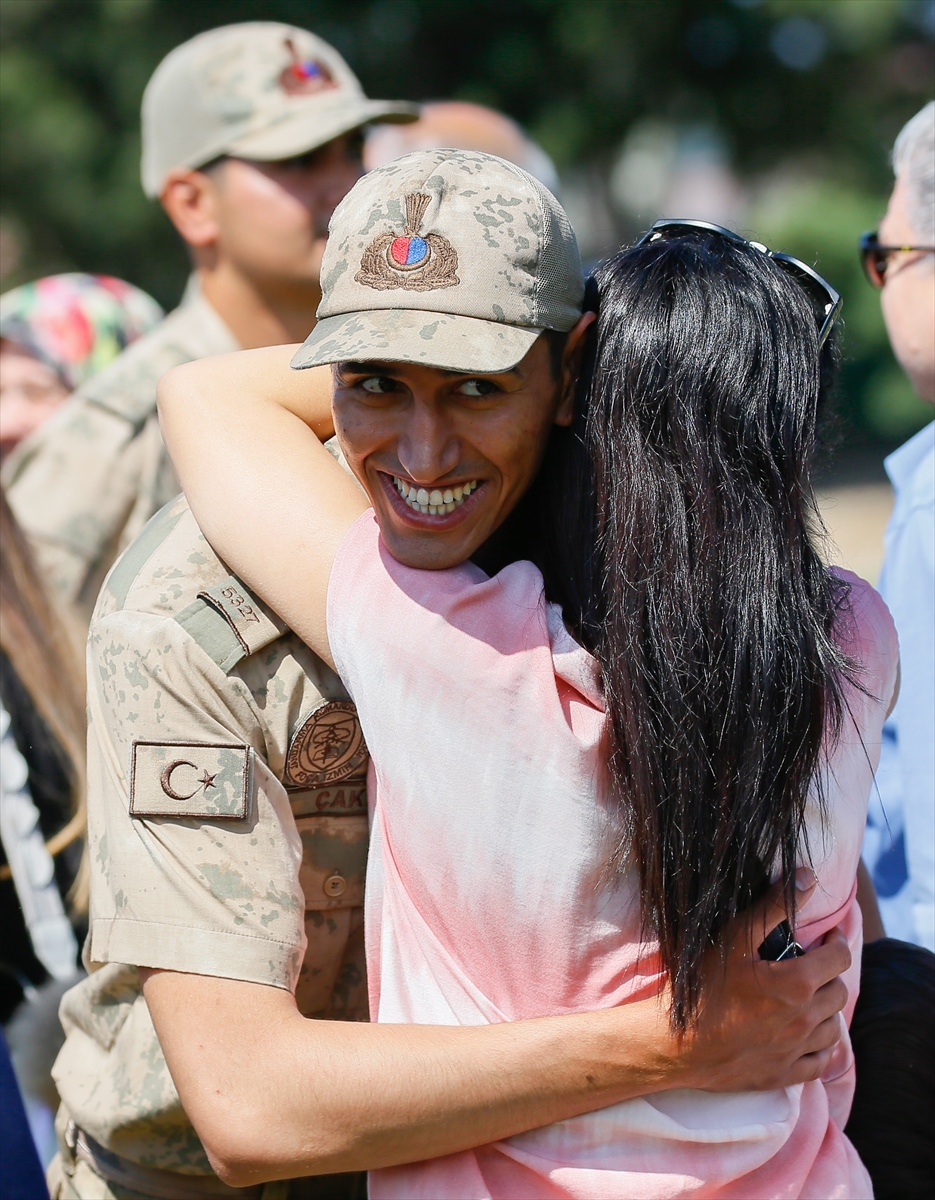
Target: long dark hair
{"points": [[37, 642], [681, 544]]}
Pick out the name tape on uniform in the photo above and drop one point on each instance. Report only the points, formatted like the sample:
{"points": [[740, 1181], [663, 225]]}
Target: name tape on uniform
{"points": [[346, 798], [189, 779]]}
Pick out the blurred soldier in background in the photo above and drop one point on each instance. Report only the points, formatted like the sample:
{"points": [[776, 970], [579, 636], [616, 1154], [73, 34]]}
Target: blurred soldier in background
{"points": [[251, 136], [461, 126]]}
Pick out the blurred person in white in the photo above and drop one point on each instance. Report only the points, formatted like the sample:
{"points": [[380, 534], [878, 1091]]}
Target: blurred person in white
{"points": [[900, 259], [459, 125]]}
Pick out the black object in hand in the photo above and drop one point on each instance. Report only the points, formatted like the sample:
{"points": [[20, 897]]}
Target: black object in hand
{"points": [[780, 944]]}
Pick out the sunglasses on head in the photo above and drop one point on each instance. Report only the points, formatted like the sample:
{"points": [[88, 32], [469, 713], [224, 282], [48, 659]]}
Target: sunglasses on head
{"points": [[822, 294], [876, 258]]}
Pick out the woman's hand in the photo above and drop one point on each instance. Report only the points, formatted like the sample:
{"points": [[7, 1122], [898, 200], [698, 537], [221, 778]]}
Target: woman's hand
{"points": [[767, 1024]]}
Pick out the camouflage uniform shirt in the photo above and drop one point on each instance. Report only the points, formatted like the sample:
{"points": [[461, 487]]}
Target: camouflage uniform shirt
{"points": [[87, 481], [227, 827]]}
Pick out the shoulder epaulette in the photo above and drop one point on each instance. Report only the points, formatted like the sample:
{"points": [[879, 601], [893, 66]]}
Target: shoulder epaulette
{"points": [[229, 623], [125, 571]]}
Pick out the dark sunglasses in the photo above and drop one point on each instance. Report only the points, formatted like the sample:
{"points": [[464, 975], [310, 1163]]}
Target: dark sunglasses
{"points": [[819, 290], [876, 258]]}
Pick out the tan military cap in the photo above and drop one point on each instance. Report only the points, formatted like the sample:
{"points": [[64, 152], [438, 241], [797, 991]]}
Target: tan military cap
{"points": [[450, 258], [257, 90]]}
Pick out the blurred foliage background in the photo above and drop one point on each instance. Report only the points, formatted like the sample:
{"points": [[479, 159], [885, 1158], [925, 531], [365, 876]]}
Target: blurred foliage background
{"points": [[773, 116]]}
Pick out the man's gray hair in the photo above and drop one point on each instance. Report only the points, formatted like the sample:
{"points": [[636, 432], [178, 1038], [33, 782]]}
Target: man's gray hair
{"points": [[914, 160]]}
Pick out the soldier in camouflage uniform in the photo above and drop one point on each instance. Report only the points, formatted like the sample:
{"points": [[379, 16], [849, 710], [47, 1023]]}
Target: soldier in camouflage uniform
{"points": [[225, 116], [205, 712]]}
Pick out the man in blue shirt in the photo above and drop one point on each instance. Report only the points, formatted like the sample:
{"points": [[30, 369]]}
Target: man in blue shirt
{"points": [[900, 259]]}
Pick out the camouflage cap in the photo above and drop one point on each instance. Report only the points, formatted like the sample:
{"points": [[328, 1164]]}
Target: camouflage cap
{"points": [[257, 90], [449, 258]]}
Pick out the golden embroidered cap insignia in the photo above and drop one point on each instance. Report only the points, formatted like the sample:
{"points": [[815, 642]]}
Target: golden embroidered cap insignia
{"points": [[447, 258], [410, 260]]}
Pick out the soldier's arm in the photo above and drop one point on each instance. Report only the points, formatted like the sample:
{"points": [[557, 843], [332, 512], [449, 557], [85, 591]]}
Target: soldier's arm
{"points": [[274, 1095]]}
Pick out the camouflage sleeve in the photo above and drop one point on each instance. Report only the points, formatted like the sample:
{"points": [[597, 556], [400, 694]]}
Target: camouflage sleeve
{"points": [[194, 852], [72, 486]]}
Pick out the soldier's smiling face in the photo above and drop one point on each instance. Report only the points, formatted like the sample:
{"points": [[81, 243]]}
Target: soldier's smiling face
{"points": [[446, 456]]}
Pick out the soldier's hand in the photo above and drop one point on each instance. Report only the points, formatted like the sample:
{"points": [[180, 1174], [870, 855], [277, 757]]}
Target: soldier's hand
{"points": [[768, 1024]]}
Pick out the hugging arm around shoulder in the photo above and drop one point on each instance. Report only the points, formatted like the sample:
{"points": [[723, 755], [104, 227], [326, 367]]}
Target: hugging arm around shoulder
{"points": [[245, 434]]}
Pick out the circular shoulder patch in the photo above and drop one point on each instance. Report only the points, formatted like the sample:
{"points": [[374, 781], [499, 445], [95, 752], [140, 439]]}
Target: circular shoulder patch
{"points": [[329, 746]]}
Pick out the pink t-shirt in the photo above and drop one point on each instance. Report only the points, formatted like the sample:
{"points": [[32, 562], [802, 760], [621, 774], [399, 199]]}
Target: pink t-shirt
{"points": [[485, 897]]}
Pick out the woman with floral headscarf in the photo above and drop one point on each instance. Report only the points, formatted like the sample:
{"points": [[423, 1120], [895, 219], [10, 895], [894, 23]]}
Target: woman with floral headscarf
{"points": [[54, 334]]}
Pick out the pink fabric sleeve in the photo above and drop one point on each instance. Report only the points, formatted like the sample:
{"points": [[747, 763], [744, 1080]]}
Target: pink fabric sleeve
{"points": [[867, 633]]}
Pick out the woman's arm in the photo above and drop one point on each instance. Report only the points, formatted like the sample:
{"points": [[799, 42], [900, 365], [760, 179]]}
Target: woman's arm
{"points": [[273, 1095], [249, 417]]}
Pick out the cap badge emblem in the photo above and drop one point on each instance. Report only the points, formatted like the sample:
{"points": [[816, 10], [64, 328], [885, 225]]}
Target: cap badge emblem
{"points": [[410, 260], [304, 77]]}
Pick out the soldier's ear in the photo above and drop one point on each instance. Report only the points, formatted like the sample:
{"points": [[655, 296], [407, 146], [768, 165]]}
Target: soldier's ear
{"points": [[190, 200], [571, 367]]}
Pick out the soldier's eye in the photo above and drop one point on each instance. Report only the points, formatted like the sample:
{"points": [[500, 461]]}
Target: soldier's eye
{"points": [[378, 384], [477, 387]]}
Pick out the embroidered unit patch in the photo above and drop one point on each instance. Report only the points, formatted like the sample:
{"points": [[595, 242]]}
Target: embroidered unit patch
{"points": [[304, 77], [328, 747], [410, 260], [189, 779]]}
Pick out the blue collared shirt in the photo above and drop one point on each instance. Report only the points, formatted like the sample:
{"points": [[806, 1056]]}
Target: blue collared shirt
{"points": [[900, 845]]}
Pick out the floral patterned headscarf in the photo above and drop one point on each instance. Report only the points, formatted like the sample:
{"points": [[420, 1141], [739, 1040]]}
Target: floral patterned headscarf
{"points": [[76, 324]]}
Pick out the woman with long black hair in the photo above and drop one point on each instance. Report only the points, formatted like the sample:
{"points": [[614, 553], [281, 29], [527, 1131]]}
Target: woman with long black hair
{"points": [[679, 531], [586, 762]]}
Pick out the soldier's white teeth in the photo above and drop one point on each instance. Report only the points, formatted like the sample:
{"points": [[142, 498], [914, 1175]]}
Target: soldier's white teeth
{"points": [[436, 502]]}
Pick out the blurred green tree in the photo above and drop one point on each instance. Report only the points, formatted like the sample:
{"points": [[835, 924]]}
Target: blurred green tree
{"points": [[805, 97]]}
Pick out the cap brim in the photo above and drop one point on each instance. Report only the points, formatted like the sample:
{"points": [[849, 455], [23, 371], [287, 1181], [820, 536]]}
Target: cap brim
{"points": [[452, 343], [307, 128]]}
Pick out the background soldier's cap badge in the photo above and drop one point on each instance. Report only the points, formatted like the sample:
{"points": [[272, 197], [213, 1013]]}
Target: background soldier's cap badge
{"points": [[304, 77], [409, 260]]}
